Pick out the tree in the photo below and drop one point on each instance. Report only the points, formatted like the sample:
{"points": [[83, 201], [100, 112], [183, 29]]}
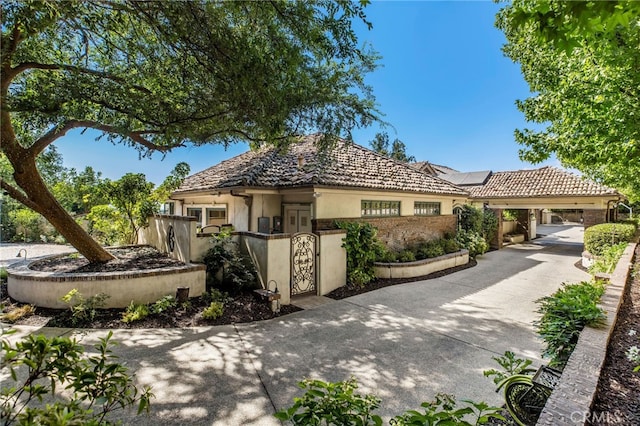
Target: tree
{"points": [[380, 144], [160, 75], [581, 62]]}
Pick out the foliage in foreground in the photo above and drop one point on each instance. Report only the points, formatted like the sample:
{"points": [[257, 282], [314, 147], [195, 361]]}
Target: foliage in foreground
{"points": [[510, 365], [326, 403], [84, 310], [564, 314], [95, 385]]}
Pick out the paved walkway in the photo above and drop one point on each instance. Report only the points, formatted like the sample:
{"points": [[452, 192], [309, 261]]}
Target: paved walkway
{"points": [[403, 343]]}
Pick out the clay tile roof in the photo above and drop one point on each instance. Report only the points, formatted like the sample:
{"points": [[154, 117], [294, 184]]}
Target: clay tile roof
{"points": [[542, 182], [348, 165]]}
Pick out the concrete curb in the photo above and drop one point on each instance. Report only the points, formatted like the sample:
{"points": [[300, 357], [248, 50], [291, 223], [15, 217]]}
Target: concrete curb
{"points": [[571, 400]]}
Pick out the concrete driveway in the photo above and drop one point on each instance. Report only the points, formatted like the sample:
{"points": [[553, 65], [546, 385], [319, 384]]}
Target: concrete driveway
{"points": [[403, 343]]}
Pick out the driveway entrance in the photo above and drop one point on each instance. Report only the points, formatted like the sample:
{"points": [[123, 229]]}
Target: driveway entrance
{"points": [[403, 343]]}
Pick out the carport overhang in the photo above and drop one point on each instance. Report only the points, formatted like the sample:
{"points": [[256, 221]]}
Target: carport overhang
{"points": [[540, 203]]}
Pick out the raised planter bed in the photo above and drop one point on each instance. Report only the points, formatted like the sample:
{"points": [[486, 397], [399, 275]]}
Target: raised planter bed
{"points": [[420, 267], [45, 289], [514, 238]]}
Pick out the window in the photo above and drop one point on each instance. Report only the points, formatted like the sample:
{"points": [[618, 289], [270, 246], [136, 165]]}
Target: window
{"points": [[195, 212], [421, 208], [168, 208], [380, 208], [216, 214]]}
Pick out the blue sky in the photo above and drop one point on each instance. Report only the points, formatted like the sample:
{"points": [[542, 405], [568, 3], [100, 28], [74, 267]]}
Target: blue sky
{"points": [[444, 85]]}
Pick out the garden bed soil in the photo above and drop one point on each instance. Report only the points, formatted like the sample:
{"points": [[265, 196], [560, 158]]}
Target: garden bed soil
{"points": [[617, 399]]}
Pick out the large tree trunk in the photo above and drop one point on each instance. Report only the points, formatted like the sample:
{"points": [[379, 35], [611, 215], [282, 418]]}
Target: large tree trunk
{"points": [[38, 197], [28, 178]]}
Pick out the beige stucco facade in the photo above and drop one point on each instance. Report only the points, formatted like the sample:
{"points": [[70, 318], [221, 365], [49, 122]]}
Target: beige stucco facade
{"points": [[535, 203]]}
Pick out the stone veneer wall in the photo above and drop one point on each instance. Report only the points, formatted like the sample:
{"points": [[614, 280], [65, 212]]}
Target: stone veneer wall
{"points": [[594, 217], [400, 232], [571, 400]]}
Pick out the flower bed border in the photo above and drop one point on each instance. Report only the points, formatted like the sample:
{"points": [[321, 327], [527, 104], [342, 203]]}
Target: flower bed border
{"points": [[393, 270]]}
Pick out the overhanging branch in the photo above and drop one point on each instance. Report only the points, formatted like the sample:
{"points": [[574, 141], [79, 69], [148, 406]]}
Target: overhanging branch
{"points": [[18, 196], [135, 136]]}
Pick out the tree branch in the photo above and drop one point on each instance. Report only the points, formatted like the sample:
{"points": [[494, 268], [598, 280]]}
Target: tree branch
{"points": [[62, 67], [18, 196], [135, 136]]}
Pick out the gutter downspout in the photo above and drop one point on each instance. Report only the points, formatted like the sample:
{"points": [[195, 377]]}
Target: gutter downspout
{"points": [[248, 201]]}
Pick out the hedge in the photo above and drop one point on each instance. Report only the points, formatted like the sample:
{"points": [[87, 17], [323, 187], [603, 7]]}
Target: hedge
{"points": [[597, 238]]}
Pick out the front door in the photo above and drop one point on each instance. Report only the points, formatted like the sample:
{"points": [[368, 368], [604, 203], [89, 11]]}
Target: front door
{"points": [[297, 219]]}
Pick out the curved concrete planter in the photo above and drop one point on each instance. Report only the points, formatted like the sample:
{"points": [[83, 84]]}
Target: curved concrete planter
{"points": [[45, 289], [420, 267]]}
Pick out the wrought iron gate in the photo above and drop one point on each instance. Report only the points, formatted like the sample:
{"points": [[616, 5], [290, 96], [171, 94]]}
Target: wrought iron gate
{"points": [[303, 263]]}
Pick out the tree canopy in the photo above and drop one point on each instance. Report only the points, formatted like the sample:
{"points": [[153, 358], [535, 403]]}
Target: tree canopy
{"points": [[396, 150], [581, 61], [158, 75]]}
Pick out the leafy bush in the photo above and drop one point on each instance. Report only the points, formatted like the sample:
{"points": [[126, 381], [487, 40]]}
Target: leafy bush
{"points": [[450, 245], [135, 312], [607, 261], [227, 268], [163, 305], [213, 311], [332, 404], [511, 366], [363, 248], [431, 249], [473, 242], [444, 411], [598, 238], [564, 314], [19, 312], [3, 274], [509, 215], [84, 310], [406, 256], [471, 219], [95, 385], [326, 403]]}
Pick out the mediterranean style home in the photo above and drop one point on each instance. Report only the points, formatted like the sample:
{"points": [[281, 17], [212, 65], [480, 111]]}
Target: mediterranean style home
{"points": [[300, 189], [283, 205]]}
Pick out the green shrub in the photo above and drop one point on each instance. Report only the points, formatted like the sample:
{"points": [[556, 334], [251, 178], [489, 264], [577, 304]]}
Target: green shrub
{"points": [[165, 304], [509, 215], [473, 242], [430, 249], [607, 261], [3, 275], [598, 238], [406, 256], [363, 248], [450, 245], [83, 310], [95, 385], [511, 366], [213, 311], [386, 256], [326, 403], [135, 312], [227, 268], [564, 314], [444, 410], [331, 404]]}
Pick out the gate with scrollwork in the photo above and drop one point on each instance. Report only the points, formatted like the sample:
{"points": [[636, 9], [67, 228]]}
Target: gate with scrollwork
{"points": [[303, 263]]}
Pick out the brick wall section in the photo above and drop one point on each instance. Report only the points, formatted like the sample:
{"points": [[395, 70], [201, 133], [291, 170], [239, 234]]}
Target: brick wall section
{"points": [[400, 232], [523, 223], [496, 242], [571, 400], [594, 217]]}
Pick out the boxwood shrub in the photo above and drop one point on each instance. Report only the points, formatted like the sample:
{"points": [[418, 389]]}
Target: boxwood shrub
{"points": [[598, 238]]}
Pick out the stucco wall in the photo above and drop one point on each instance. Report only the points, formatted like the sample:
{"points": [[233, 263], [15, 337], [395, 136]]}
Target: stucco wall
{"points": [[45, 289], [347, 204], [332, 270], [156, 235]]}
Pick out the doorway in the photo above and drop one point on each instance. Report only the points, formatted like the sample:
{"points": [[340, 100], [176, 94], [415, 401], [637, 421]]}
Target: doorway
{"points": [[297, 218]]}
